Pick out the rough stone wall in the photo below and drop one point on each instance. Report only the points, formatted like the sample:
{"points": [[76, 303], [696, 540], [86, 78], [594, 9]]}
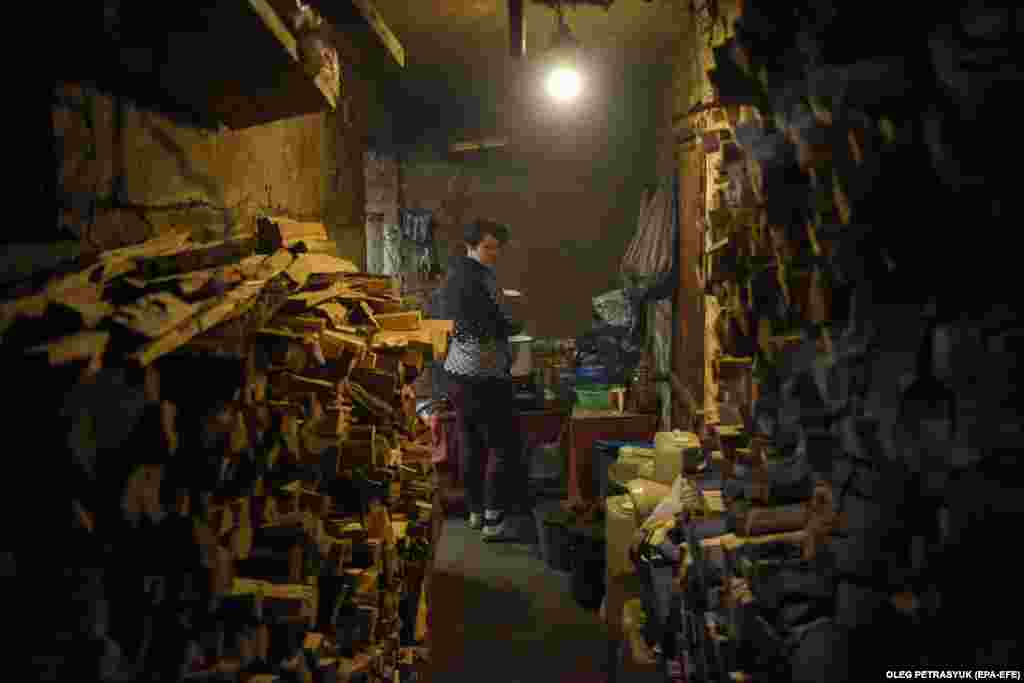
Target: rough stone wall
{"points": [[126, 174]]}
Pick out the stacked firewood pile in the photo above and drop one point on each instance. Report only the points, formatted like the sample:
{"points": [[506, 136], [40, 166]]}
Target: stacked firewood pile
{"points": [[871, 469], [248, 482]]}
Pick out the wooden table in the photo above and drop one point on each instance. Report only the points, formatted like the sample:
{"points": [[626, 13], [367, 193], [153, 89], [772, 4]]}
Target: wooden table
{"points": [[541, 426], [589, 426]]}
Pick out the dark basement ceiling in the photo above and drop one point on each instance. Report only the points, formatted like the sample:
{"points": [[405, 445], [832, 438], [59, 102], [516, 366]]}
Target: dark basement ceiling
{"points": [[458, 33], [458, 59]]}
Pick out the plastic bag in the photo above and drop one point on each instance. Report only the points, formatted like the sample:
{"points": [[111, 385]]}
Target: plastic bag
{"points": [[614, 308]]}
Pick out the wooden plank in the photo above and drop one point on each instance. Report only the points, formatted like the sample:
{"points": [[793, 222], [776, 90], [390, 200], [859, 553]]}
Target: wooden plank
{"points": [[325, 264], [278, 232], [197, 257], [154, 315], [400, 322], [334, 344], [300, 323], [299, 271], [336, 313], [352, 16], [306, 300], [381, 384], [413, 358], [276, 27], [210, 315], [368, 312], [75, 347], [158, 246], [264, 268], [328, 247]]}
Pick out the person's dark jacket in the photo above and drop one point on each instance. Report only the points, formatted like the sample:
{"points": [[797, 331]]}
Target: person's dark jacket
{"points": [[467, 302]]}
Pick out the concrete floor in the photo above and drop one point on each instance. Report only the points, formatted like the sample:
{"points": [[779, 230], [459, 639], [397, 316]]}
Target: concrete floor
{"points": [[499, 615]]}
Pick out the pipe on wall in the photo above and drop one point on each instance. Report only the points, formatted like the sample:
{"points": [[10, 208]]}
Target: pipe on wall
{"points": [[517, 28]]}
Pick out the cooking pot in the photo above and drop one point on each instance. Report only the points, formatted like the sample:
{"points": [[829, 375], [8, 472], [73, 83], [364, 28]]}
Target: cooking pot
{"points": [[522, 355]]}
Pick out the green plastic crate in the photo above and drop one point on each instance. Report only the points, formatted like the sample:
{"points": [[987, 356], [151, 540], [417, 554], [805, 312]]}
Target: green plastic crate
{"points": [[594, 397]]}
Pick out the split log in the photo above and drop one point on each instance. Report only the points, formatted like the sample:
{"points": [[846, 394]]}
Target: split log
{"points": [[390, 363], [197, 258], [336, 313], [413, 358], [357, 454], [263, 510], [326, 264], [314, 246], [399, 322], [240, 541], [381, 385], [362, 314], [335, 344], [288, 384], [300, 324], [368, 401], [210, 314], [269, 266], [88, 347], [300, 270], [141, 496], [775, 520], [222, 574], [279, 232]]}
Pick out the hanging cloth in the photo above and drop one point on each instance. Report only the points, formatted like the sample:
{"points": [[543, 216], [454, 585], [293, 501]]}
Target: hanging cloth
{"points": [[416, 226]]}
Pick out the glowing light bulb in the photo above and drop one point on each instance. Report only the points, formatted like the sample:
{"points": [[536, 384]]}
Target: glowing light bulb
{"points": [[563, 83]]}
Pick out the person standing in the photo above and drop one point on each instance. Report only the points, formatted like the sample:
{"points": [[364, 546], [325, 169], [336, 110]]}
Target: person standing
{"points": [[481, 388]]}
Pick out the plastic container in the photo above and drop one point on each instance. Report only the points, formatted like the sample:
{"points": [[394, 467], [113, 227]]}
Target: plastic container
{"points": [[638, 458], [596, 397], [592, 375], [546, 463], [620, 524], [670, 448], [553, 536], [588, 566], [604, 454]]}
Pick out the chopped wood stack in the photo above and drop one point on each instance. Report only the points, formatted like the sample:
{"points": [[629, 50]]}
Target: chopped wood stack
{"points": [[833, 294], [249, 482]]}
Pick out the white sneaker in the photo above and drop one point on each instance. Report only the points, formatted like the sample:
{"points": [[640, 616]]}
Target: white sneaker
{"points": [[476, 521], [504, 528]]}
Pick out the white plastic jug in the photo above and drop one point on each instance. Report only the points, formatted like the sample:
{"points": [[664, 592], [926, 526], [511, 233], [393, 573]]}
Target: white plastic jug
{"points": [[669, 448], [638, 462], [620, 525], [646, 495]]}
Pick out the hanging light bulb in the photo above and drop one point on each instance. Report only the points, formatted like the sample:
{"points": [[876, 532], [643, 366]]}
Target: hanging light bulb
{"points": [[564, 81]]}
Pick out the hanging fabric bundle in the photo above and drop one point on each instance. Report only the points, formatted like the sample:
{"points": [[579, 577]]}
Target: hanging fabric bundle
{"points": [[416, 228]]}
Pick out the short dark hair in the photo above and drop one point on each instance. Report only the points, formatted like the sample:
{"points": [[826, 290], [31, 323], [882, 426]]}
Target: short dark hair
{"points": [[478, 230]]}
